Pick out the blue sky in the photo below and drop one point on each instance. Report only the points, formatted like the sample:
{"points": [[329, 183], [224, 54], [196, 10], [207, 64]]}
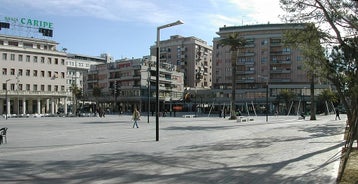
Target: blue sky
{"points": [[127, 28]]}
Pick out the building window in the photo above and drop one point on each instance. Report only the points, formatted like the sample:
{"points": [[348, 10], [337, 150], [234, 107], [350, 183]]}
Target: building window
{"points": [[4, 56], [35, 87], [27, 58], [42, 73], [4, 71], [56, 61], [12, 57], [48, 87], [20, 87], [20, 72], [42, 59], [56, 88], [35, 73], [35, 59], [27, 87], [27, 72], [20, 57], [12, 71], [62, 61], [49, 74], [49, 61], [42, 87]]}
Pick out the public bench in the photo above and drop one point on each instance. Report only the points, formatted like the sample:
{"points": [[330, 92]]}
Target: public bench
{"points": [[189, 116]]}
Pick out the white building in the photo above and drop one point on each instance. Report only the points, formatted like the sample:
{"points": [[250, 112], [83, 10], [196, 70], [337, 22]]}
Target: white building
{"points": [[33, 76]]}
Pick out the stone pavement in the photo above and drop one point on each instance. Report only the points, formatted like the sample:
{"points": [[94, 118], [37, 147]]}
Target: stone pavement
{"points": [[190, 150]]}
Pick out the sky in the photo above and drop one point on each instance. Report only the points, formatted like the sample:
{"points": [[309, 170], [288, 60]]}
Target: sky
{"points": [[128, 28]]}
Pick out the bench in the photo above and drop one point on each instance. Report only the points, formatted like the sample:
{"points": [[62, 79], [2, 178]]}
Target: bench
{"points": [[189, 116], [244, 119]]}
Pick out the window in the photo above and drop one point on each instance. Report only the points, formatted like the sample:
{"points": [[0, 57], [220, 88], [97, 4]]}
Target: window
{"points": [[56, 61], [42, 73], [42, 87], [12, 71], [49, 88], [35, 73], [4, 71], [20, 57], [20, 72], [12, 57], [42, 59], [62, 62], [49, 74], [35, 59], [35, 87], [27, 72], [56, 88], [27, 87], [20, 87], [49, 61], [4, 56], [27, 58]]}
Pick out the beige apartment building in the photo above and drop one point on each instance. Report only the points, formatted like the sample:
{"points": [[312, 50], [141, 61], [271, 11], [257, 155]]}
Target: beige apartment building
{"points": [[33, 76], [128, 83], [263, 64], [77, 66], [190, 55]]}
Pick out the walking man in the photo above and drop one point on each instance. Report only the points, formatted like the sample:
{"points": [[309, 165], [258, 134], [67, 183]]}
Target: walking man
{"points": [[337, 114], [136, 117]]}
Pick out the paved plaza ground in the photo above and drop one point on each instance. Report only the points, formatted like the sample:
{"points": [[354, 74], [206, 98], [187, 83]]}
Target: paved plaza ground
{"points": [[190, 150]]}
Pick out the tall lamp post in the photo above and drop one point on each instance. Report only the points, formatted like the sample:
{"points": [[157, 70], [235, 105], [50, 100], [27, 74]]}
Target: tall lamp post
{"points": [[267, 94], [6, 98], [157, 74]]}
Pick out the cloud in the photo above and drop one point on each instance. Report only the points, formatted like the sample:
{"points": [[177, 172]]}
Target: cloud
{"points": [[115, 10], [260, 11]]}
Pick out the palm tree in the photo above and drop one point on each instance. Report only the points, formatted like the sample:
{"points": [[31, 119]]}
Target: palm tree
{"points": [[234, 41]]}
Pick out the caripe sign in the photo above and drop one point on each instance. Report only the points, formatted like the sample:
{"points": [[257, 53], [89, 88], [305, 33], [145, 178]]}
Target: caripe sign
{"points": [[27, 22]]}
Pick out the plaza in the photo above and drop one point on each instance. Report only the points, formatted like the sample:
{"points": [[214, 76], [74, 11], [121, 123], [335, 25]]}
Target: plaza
{"points": [[190, 150]]}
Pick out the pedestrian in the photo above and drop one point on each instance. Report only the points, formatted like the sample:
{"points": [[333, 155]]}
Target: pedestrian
{"points": [[136, 117], [337, 114]]}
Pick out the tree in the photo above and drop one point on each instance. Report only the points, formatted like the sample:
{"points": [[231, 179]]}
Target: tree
{"points": [[306, 39], [338, 20], [287, 96], [235, 42], [326, 96], [76, 94], [97, 92]]}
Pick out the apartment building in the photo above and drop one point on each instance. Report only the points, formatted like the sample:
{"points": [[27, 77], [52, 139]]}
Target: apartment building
{"points": [[264, 65], [78, 65], [33, 76], [125, 83], [190, 55]]}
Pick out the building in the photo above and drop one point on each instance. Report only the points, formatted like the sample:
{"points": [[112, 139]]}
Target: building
{"points": [[125, 83], [78, 65], [33, 76], [190, 55], [265, 66]]}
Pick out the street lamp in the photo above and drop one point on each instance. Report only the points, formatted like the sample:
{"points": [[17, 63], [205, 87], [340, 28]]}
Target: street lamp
{"points": [[6, 98], [157, 74], [267, 93]]}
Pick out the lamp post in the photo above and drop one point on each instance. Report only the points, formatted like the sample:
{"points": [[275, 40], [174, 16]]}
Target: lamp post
{"points": [[149, 67], [6, 98], [267, 93], [157, 74]]}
